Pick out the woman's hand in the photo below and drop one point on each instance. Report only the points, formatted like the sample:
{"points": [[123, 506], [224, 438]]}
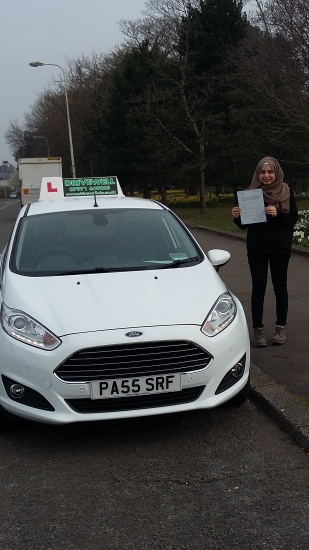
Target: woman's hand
{"points": [[236, 212], [271, 211]]}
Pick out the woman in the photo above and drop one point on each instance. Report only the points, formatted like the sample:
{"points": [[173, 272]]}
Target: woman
{"points": [[270, 243]]}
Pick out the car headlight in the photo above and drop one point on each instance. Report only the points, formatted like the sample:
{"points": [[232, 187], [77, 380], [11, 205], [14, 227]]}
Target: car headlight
{"points": [[24, 328], [220, 316]]}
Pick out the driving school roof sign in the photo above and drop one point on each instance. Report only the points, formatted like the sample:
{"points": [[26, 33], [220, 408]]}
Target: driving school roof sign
{"points": [[54, 188], [81, 187]]}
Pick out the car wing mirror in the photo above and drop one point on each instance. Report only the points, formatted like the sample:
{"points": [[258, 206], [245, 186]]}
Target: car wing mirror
{"points": [[218, 257]]}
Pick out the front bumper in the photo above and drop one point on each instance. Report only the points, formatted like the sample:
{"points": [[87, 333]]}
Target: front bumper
{"points": [[35, 368]]}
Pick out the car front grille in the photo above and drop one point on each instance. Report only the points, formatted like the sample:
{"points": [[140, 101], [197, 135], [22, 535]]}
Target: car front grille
{"points": [[87, 406], [132, 360]]}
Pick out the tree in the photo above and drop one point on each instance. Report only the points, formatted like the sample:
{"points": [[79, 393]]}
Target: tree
{"points": [[15, 138], [13, 182], [273, 65], [185, 102], [159, 109], [121, 130]]}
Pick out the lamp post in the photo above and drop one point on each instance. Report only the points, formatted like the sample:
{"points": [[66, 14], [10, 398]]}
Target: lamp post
{"points": [[40, 64], [43, 137]]}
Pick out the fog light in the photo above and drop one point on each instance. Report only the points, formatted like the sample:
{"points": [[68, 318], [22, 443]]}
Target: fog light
{"points": [[17, 391], [237, 370]]}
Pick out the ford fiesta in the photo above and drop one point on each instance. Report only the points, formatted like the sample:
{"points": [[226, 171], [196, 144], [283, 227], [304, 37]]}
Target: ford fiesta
{"points": [[110, 309]]}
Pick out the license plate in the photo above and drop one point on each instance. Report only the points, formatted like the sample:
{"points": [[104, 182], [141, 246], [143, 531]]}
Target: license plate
{"points": [[128, 387]]}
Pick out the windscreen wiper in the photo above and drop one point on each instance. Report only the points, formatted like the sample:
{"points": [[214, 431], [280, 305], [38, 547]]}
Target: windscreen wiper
{"points": [[99, 270], [177, 263]]}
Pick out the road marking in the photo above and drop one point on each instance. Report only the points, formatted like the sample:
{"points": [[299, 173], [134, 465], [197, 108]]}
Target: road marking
{"points": [[8, 204]]}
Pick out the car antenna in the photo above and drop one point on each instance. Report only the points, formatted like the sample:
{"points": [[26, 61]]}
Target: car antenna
{"points": [[95, 201]]}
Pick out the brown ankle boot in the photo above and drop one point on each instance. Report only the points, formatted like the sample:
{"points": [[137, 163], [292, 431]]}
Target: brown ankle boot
{"points": [[259, 338], [279, 337]]}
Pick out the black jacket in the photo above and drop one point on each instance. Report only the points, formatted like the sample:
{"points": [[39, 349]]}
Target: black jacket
{"points": [[273, 236]]}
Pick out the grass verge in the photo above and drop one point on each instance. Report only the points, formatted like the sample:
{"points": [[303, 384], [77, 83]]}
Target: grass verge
{"points": [[217, 217]]}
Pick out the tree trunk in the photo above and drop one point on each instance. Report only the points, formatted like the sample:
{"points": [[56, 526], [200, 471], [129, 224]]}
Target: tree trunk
{"points": [[192, 188], [162, 192], [146, 191], [202, 179], [202, 192]]}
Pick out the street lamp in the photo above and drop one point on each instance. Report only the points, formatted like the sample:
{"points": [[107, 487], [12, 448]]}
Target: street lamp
{"points": [[43, 137], [40, 64]]}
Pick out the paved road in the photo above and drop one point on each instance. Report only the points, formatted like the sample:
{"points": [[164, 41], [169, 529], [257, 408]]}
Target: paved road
{"points": [[221, 479], [8, 212], [224, 479]]}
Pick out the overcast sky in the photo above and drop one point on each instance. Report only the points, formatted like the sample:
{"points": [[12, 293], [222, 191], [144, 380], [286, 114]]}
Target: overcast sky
{"points": [[51, 31]]}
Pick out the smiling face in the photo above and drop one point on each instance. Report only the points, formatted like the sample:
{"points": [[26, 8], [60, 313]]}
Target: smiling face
{"points": [[266, 175]]}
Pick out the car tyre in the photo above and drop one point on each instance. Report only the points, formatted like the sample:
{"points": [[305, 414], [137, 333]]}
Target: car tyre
{"points": [[242, 396], [7, 420]]}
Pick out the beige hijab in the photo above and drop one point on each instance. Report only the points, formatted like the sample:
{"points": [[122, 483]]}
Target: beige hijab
{"points": [[277, 193]]}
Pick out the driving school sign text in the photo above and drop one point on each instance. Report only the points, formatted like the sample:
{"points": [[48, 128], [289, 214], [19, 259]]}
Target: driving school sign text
{"points": [[88, 186]]}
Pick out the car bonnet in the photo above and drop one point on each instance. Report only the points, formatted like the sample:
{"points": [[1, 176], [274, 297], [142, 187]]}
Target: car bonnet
{"points": [[92, 302]]}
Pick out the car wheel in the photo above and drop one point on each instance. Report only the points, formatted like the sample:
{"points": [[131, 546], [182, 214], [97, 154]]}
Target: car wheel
{"points": [[241, 397], [7, 420]]}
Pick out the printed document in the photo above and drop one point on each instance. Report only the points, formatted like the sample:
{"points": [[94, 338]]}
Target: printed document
{"points": [[252, 206]]}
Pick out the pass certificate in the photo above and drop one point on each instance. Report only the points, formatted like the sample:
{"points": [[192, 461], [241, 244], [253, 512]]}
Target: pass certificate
{"points": [[251, 204]]}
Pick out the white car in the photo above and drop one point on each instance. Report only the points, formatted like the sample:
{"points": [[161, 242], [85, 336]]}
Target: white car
{"points": [[110, 309]]}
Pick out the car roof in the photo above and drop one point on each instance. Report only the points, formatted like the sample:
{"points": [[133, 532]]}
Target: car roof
{"points": [[87, 203]]}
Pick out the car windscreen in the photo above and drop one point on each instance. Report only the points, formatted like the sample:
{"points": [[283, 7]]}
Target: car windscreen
{"points": [[98, 240]]}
